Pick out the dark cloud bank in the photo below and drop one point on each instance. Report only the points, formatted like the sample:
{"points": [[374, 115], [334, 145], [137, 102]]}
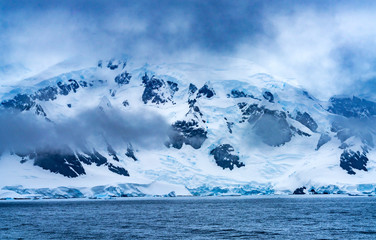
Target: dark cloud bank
{"points": [[327, 47]]}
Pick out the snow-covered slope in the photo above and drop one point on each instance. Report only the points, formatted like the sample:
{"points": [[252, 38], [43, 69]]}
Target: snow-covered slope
{"points": [[182, 129]]}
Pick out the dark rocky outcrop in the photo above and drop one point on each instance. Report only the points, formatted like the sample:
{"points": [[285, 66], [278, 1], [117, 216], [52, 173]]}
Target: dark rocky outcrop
{"points": [[118, 170], [130, 152], [188, 132], [68, 163], [63, 162], [113, 64], [173, 86], [252, 113], [22, 102], [74, 85], [238, 94], [306, 120], [112, 153], [224, 158], [25, 102], [45, 94], [229, 125], [205, 91], [92, 157], [351, 160], [123, 78], [39, 110], [324, 138], [352, 107], [299, 132], [268, 96], [151, 90], [83, 83], [192, 89], [299, 191], [125, 103], [64, 88], [112, 92], [194, 110], [156, 90]]}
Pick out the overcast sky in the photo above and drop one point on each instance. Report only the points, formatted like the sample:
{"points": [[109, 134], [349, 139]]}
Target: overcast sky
{"points": [[327, 47]]}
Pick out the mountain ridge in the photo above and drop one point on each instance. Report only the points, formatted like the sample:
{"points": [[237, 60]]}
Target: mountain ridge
{"points": [[219, 132]]}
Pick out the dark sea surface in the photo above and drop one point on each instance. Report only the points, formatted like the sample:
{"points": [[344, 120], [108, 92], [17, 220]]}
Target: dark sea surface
{"points": [[273, 217]]}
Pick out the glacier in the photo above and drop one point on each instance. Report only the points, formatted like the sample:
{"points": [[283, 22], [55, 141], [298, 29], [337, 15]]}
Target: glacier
{"points": [[232, 130]]}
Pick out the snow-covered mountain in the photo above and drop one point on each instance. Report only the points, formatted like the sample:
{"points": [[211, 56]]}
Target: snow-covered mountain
{"points": [[118, 129]]}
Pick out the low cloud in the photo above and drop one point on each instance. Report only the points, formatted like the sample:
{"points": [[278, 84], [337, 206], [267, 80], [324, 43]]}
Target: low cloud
{"points": [[327, 51], [24, 132], [327, 48]]}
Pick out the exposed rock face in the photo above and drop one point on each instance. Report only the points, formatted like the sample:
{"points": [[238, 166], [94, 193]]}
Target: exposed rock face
{"points": [[113, 64], [66, 88], [229, 125], [299, 191], [245, 115], [118, 170], [351, 160], [130, 152], [39, 110], [224, 158], [192, 89], [68, 163], [352, 107], [324, 138], [83, 84], [24, 102], [173, 86], [63, 162], [188, 132], [125, 103], [268, 96], [238, 94], [92, 157], [112, 153], [123, 78], [306, 120], [252, 112], [45, 94], [21, 102], [157, 91], [205, 91]]}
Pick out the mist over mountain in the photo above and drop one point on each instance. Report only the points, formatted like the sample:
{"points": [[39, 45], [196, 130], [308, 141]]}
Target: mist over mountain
{"points": [[173, 98]]}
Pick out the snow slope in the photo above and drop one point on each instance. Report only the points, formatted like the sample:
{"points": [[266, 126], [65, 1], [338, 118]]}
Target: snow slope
{"points": [[234, 129]]}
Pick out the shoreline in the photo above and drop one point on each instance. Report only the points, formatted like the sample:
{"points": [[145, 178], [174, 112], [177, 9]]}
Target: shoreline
{"points": [[140, 198]]}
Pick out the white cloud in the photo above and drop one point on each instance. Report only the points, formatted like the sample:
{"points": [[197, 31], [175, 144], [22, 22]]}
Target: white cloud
{"points": [[324, 51]]}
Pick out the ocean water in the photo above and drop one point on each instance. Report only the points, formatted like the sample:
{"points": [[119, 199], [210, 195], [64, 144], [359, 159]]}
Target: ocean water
{"points": [[295, 217]]}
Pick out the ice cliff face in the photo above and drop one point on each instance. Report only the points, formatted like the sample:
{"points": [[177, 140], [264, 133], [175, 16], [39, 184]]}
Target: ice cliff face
{"points": [[231, 132]]}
